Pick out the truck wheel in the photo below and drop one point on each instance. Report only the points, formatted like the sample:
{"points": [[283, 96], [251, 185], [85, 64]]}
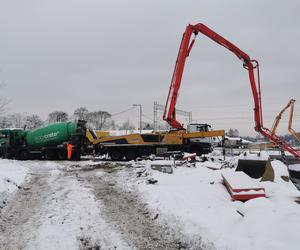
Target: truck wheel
{"points": [[130, 155], [24, 155], [49, 154], [62, 154], [116, 155]]}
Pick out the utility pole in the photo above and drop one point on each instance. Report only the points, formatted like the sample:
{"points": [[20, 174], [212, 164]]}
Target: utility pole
{"points": [[155, 116], [158, 107], [140, 106]]}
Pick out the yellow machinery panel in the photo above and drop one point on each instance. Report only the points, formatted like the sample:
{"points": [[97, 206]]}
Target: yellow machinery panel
{"points": [[101, 133], [172, 138]]}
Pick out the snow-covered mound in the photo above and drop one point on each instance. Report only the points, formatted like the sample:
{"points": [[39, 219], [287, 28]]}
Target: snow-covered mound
{"points": [[12, 174], [195, 199]]}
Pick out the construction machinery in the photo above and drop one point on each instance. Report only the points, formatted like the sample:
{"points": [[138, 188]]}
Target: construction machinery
{"points": [[134, 145], [290, 105], [62, 140], [131, 146], [249, 64]]}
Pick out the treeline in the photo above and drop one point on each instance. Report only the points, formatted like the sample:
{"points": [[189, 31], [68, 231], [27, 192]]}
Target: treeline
{"points": [[100, 120]]}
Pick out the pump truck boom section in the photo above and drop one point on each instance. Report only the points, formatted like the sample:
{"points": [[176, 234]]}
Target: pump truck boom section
{"points": [[248, 63]]}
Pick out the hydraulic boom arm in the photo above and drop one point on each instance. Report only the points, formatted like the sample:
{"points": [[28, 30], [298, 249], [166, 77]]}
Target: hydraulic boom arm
{"points": [[290, 105], [249, 64]]}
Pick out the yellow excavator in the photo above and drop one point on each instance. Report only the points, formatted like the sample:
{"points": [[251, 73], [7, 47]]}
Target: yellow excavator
{"points": [[290, 105]]}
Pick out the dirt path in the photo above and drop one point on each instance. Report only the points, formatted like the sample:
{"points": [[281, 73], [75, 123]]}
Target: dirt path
{"points": [[126, 210], [81, 207]]}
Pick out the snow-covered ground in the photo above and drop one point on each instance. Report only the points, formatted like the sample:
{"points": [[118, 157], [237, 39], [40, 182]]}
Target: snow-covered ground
{"points": [[53, 209], [197, 199], [12, 174], [71, 205]]}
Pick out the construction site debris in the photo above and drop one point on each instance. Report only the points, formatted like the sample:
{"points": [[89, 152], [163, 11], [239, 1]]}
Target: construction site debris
{"points": [[253, 168], [241, 187], [162, 168]]}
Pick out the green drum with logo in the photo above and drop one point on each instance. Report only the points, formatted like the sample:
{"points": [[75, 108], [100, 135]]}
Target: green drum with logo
{"points": [[53, 134]]}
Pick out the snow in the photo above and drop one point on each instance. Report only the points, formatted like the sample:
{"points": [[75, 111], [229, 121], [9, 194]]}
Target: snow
{"points": [[280, 169], [263, 155], [197, 199], [209, 164], [69, 213], [76, 217], [244, 141], [239, 180], [295, 167], [249, 192], [12, 174], [191, 199]]}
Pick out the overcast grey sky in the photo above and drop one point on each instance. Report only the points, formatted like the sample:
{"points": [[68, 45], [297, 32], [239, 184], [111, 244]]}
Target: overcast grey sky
{"points": [[63, 54]]}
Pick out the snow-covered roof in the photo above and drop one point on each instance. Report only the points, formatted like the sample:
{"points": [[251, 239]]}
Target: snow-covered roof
{"points": [[237, 139]]}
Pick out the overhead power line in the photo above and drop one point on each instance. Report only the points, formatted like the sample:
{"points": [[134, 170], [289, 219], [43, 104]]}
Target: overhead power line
{"points": [[122, 112]]}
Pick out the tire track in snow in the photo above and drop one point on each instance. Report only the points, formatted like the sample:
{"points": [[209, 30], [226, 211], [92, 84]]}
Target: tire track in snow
{"points": [[19, 218], [55, 211], [131, 216]]}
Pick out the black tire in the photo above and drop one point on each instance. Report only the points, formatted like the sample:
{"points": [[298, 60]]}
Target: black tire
{"points": [[24, 155], [2, 153], [62, 154], [116, 154], [76, 156], [130, 155], [49, 154]]}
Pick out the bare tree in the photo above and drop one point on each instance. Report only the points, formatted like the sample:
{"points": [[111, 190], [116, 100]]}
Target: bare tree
{"points": [[16, 120], [58, 116], [4, 122], [98, 119], [127, 125], [112, 124], [33, 122], [233, 133], [3, 103], [81, 113]]}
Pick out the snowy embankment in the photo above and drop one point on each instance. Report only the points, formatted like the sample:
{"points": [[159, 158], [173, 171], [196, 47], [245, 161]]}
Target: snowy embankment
{"points": [[195, 199], [12, 175]]}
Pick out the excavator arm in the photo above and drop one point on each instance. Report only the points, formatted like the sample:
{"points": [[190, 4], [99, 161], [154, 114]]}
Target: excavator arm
{"points": [[249, 64], [290, 105], [290, 129]]}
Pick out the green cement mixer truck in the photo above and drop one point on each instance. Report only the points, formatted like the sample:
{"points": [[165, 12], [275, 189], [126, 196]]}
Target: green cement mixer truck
{"points": [[62, 140]]}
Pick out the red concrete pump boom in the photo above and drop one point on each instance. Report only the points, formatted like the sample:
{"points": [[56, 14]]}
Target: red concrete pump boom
{"points": [[248, 63]]}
